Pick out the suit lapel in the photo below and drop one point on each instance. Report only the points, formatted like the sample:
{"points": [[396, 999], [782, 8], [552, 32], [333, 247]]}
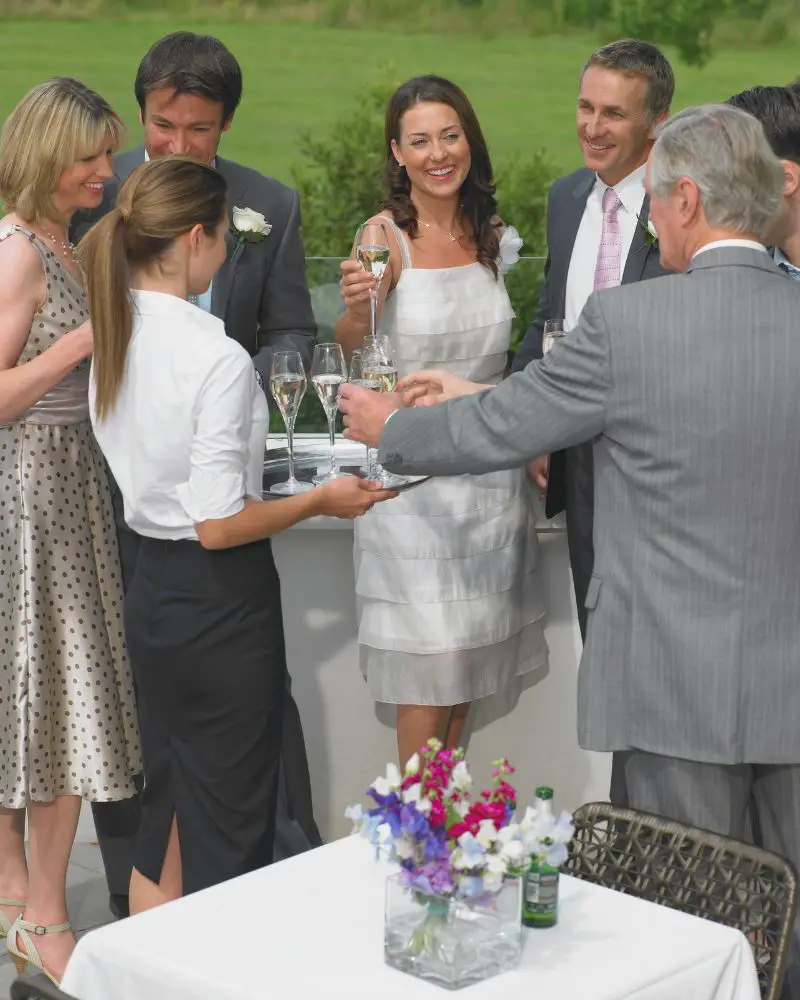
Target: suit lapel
{"points": [[225, 277], [569, 223], [637, 255]]}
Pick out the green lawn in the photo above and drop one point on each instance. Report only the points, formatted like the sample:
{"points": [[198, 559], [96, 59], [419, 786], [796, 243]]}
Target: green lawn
{"points": [[300, 76]]}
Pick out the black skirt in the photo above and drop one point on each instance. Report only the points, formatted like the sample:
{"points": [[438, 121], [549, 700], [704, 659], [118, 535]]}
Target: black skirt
{"points": [[205, 638]]}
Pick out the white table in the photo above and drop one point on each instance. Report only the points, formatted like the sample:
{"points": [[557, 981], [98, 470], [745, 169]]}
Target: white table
{"points": [[312, 927]]}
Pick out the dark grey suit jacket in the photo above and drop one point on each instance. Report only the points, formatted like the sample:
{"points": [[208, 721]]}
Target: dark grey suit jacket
{"points": [[260, 292], [571, 480], [688, 388]]}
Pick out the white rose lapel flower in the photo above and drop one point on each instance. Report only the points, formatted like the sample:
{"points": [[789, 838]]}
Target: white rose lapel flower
{"points": [[510, 246], [248, 226], [650, 233]]}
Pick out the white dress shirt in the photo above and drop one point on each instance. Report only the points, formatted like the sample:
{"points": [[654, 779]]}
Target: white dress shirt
{"points": [[580, 277], [185, 440], [716, 244]]}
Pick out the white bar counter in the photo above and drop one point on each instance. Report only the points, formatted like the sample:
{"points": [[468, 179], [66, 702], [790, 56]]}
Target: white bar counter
{"points": [[350, 739]]}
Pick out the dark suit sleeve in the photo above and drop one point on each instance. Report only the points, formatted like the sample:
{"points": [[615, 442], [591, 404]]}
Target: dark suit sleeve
{"points": [[286, 321], [531, 347]]}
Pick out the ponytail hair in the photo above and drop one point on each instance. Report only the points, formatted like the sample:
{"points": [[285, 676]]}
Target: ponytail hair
{"points": [[159, 202]]}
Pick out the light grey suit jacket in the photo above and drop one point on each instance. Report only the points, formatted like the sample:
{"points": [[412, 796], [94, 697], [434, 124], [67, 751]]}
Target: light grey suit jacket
{"points": [[690, 388]]}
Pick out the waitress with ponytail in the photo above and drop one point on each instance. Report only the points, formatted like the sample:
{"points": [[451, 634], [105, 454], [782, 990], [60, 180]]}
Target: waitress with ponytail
{"points": [[182, 422]]}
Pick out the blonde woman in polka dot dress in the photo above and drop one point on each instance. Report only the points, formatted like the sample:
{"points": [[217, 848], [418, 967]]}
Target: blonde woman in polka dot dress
{"points": [[67, 713]]}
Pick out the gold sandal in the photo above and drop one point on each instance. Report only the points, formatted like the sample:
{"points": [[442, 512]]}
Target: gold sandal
{"points": [[29, 955], [6, 922]]}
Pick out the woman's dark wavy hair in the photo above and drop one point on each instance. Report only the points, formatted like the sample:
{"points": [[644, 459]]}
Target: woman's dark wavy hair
{"points": [[478, 203]]}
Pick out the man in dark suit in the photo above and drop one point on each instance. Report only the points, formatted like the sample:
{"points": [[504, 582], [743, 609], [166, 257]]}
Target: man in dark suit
{"points": [[188, 88], [778, 110], [625, 91]]}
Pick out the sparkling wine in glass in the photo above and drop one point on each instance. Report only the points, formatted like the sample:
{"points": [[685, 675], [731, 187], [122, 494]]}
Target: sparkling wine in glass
{"points": [[378, 368], [553, 331], [357, 378], [287, 383], [328, 373], [372, 253]]}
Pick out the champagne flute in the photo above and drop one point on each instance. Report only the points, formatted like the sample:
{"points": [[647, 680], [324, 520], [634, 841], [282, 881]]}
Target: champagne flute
{"points": [[372, 253], [553, 331], [328, 372], [357, 378], [378, 368], [287, 383]]}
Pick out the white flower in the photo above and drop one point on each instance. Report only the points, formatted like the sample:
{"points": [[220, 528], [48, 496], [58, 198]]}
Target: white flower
{"points": [[413, 764], [486, 834], [510, 246], [388, 784], [494, 872], [246, 220], [356, 816], [514, 853], [652, 229], [404, 849], [461, 808], [413, 793], [460, 779]]}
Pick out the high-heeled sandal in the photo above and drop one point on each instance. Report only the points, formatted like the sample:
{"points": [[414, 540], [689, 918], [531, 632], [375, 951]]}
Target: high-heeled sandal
{"points": [[6, 922], [29, 955]]}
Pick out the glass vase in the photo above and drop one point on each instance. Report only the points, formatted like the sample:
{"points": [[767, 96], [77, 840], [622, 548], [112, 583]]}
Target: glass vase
{"points": [[452, 942]]}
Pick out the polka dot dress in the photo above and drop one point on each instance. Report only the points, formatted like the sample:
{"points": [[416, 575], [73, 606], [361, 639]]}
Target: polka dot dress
{"points": [[67, 710]]}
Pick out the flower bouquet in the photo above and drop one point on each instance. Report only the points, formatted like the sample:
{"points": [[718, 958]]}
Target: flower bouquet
{"points": [[453, 908]]}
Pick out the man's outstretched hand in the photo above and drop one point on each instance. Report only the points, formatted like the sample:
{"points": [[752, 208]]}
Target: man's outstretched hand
{"points": [[365, 412], [426, 388]]}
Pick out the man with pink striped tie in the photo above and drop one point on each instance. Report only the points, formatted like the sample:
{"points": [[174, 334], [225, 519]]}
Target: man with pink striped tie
{"points": [[597, 238]]}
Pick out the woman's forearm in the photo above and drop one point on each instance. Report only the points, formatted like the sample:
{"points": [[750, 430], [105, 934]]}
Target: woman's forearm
{"points": [[258, 519], [350, 332], [26, 384]]}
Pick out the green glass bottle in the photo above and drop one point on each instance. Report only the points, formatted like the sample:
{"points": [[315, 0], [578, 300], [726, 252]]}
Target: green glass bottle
{"points": [[540, 884]]}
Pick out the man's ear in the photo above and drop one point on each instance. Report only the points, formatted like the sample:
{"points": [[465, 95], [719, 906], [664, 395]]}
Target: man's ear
{"points": [[659, 120], [791, 178], [227, 123]]}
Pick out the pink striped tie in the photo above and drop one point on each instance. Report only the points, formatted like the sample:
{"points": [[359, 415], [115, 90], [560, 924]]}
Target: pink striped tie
{"points": [[609, 256]]}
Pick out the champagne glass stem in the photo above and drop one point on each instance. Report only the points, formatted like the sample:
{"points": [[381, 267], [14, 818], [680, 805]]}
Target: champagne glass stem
{"points": [[289, 421], [373, 315], [332, 434]]}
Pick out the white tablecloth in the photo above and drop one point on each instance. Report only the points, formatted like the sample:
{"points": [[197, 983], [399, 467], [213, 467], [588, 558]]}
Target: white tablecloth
{"points": [[312, 927]]}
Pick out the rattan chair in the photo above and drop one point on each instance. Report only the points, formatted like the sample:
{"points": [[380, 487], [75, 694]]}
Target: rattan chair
{"points": [[686, 868], [36, 988]]}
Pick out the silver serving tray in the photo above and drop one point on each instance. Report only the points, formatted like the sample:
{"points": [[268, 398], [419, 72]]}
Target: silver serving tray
{"points": [[311, 458]]}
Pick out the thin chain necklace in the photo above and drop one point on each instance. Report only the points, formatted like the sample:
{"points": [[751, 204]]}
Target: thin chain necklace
{"points": [[429, 225], [68, 248]]}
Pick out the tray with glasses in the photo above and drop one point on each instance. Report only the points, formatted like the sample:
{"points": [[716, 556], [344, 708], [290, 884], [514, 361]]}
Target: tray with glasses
{"points": [[311, 461], [298, 469]]}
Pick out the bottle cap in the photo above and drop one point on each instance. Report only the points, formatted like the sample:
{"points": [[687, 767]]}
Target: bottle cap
{"points": [[543, 792]]}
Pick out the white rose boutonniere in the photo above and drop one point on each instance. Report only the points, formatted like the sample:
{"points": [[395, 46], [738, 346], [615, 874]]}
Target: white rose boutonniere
{"points": [[248, 226], [650, 232], [508, 252]]}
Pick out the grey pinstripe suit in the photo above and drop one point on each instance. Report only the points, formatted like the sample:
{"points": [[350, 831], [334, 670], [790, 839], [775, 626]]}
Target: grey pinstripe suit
{"points": [[689, 387]]}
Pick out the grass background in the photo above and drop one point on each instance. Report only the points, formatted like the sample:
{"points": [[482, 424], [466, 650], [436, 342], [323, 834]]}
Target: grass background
{"points": [[304, 76]]}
